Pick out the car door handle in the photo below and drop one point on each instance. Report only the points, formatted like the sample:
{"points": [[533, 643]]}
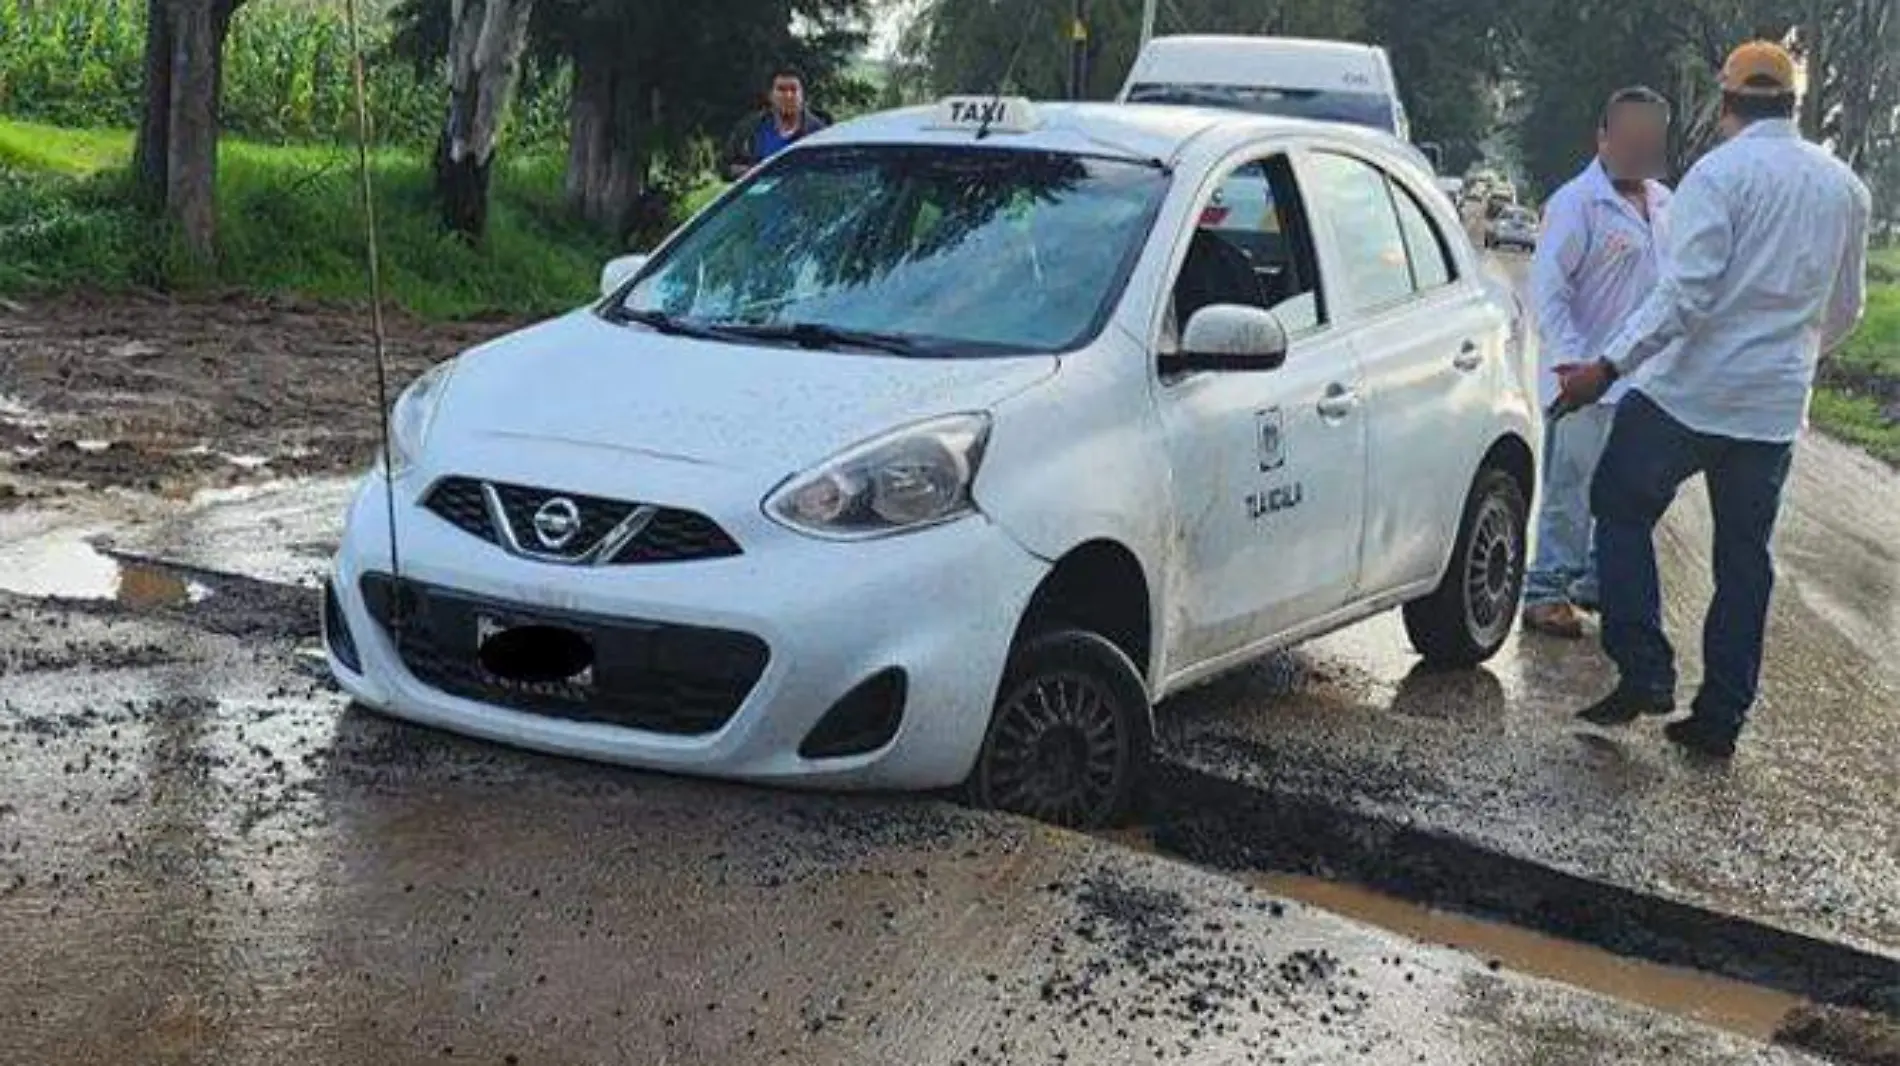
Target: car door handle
{"points": [[1470, 357], [1338, 403]]}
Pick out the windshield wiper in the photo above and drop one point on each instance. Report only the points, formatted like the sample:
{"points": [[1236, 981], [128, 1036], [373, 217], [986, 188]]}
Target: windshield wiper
{"points": [[817, 335], [661, 322]]}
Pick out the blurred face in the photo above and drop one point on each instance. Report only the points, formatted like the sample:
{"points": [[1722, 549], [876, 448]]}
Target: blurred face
{"points": [[788, 97], [1634, 142]]}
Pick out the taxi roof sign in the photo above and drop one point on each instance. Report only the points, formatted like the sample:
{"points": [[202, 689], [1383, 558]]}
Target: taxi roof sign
{"points": [[986, 114]]}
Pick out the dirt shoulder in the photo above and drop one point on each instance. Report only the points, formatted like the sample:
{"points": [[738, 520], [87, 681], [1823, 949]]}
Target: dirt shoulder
{"points": [[162, 395]]}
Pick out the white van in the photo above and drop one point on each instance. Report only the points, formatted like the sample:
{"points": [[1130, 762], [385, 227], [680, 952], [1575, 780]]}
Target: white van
{"points": [[1331, 81]]}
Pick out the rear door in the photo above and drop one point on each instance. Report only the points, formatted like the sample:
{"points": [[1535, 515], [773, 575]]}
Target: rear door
{"points": [[1430, 346]]}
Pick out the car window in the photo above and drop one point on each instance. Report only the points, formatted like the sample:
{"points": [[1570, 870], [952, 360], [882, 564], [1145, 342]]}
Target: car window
{"points": [[1357, 200], [1424, 245], [964, 251], [1252, 246], [1353, 108]]}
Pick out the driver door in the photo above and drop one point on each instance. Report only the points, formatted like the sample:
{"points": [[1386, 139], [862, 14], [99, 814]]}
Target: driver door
{"points": [[1268, 467]]}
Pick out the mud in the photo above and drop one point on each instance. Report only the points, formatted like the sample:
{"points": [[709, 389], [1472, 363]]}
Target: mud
{"points": [[1216, 822], [169, 396], [1844, 1035], [205, 856]]}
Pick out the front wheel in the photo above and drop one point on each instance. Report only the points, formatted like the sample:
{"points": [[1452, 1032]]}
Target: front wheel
{"points": [[1466, 620], [1069, 736]]}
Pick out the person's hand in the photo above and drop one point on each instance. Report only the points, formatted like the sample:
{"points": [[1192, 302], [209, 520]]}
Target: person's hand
{"points": [[1582, 384]]}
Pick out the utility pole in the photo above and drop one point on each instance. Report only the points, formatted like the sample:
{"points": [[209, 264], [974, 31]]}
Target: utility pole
{"points": [[1078, 51], [1147, 22]]}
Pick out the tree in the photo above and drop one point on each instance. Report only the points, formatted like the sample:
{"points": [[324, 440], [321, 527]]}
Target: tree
{"points": [[480, 44], [1447, 57], [176, 157], [1569, 55], [1022, 46], [651, 77], [486, 41]]}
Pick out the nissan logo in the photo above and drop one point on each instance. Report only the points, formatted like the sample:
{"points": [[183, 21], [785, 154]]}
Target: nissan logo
{"points": [[557, 523]]}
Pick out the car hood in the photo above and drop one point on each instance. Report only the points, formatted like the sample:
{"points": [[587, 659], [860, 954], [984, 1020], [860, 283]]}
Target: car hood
{"points": [[582, 380]]}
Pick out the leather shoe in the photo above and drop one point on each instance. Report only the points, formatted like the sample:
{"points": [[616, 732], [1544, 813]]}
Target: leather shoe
{"points": [[1698, 736], [1625, 705]]}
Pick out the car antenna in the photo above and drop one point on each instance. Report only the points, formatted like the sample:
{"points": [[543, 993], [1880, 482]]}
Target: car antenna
{"points": [[1009, 71], [372, 260]]}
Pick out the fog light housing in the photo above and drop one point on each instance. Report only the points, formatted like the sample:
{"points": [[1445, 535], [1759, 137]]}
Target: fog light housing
{"points": [[336, 632], [865, 720]]}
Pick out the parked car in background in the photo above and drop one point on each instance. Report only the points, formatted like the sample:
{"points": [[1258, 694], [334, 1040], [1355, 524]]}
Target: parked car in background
{"points": [[1292, 77], [1513, 228]]}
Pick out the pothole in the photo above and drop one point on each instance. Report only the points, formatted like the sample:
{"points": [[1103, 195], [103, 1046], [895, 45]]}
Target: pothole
{"points": [[69, 565]]}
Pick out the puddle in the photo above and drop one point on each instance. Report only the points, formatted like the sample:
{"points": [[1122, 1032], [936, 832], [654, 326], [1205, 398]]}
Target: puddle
{"points": [[67, 565], [1744, 1009], [1747, 1010]]}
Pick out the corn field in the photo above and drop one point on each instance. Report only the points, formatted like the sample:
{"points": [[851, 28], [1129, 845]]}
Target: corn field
{"points": [[287, 76]]}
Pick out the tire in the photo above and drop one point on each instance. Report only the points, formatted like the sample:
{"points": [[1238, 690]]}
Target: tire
{"points": [[1469, 616], [1070, 735]]}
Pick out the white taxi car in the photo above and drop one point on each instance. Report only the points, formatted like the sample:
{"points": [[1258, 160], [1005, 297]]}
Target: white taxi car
{"points": [[944, 446]]}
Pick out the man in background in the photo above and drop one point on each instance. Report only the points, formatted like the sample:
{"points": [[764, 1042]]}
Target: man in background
{"points": [[785, 122], [1598, 259], [1765, 271]]}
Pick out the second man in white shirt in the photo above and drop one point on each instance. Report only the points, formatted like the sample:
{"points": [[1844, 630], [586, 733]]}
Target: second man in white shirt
{"points": [[1598, 260]]}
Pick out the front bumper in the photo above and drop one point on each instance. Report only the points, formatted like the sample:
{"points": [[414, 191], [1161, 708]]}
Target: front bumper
{"points": [[940, 605]]}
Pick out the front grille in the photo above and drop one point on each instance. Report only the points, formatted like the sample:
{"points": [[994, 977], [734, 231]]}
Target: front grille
{"points": [[660, 678], [597, 519], [460, 501], [677, 536], [653, 534]]}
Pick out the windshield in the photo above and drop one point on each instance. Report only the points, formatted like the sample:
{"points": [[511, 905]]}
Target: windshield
{"points": [[1358, 109], [928, 251]]}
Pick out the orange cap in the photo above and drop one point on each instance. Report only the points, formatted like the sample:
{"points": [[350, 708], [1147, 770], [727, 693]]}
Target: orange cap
{"points": [[1759, 68]]}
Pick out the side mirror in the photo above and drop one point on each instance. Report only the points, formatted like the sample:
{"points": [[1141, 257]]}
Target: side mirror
{"points": [[1230, 337], [617, 271]]}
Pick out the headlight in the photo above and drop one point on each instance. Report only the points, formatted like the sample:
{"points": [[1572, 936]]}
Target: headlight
{"points": [[412, 415], [917, 476]]}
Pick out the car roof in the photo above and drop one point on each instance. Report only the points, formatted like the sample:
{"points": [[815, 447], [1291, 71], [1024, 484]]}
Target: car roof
{"points": [[1280, 45], [1237, 60], [1144, 132]]}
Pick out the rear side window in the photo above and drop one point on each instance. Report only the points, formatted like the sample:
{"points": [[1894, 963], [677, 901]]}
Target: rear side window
{"points": [[1357, 200], [1424, 244]]}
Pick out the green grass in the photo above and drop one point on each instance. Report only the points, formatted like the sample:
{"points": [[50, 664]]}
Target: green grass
{"points": [[1875, 346], [1865, 375], [35, 147], [1857, 420], [290, 220]]}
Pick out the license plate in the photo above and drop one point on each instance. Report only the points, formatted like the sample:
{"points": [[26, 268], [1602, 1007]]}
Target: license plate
{"points": [[488, 627]]}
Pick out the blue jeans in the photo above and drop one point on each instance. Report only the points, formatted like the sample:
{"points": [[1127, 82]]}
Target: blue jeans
{"points": [[1648, 457], [1562, 570]]}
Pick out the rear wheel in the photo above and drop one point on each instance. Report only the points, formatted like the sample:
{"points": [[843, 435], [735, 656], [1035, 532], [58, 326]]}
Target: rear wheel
{"points": [[1467, 619], [1069, 736]]}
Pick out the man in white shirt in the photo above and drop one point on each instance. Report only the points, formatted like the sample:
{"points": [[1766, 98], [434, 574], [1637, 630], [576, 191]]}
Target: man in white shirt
{"points": [[1765, 271], [1598, 259]]}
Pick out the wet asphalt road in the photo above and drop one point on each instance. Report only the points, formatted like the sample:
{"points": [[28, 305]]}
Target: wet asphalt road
{"points": [[205, 856], [1801, 832]]}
